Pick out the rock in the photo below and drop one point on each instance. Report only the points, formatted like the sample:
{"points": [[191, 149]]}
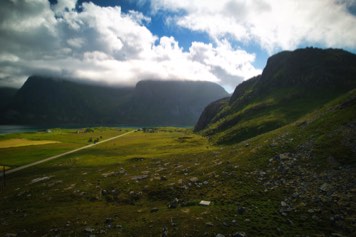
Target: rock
{"points": [[283, 204], [174, 203], [154, 209], [220, 235], [10, 235], [89, 230], [210, 224], [337, 235], [36, 180], [336, 218], [239, 234], [194, 179], [324, 187], [204, 203], [241, 210], [139, 177], [108, 174], [164, 231]]}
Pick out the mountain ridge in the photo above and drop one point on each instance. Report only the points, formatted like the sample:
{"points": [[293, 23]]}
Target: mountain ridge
{"points": [[48, 100], [292, 84]]}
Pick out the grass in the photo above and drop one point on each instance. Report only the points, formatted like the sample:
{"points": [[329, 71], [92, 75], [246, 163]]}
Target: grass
{"points": [[23, 142], [63, 140], [262, 113], [124, 187]]}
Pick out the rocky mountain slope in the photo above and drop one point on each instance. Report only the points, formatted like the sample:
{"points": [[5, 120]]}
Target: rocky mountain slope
{"points": [[291, 85], [43, 100]]}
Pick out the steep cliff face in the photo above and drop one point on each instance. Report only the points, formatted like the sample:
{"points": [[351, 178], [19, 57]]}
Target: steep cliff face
{"points": [[291, 85], [171, 102], [6, 96]]}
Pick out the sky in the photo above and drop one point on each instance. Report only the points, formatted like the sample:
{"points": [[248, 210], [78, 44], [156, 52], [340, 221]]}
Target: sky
{"points": [[120, 42]]}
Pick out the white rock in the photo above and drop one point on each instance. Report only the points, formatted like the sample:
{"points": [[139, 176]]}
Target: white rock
{"points": [[204, 203]]}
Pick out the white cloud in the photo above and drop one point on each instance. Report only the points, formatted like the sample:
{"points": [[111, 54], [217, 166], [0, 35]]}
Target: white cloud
{"points": [[105, 45], [64, 5], [274, 25]]}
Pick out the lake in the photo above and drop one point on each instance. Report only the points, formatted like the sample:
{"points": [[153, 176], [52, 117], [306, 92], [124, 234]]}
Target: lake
{"points": [[8, 129]]}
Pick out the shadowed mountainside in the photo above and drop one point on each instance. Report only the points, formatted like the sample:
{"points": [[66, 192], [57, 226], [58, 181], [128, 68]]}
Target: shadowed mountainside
{"points": [[6, 96], [43, 100]]}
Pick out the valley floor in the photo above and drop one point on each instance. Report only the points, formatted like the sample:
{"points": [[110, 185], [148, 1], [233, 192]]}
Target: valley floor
{"points": [[151, 184]]}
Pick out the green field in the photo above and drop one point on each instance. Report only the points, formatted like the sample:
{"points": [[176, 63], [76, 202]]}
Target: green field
{"points": [[146, 183], [34, 146]]}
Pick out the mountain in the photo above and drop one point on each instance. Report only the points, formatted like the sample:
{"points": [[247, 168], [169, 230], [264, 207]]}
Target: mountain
{"points": [[292, 84], [53, 100], [170, 102], [6, 96], [45, 100]]}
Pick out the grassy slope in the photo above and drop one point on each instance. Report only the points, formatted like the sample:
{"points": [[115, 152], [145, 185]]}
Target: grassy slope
{"points": [[292, 84], [265, 113], [100, 189]]}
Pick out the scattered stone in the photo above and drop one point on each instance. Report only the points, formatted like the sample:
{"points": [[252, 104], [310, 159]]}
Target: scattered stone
{"points": [[337, 235], [310, 210], [36, 180], [70, 187], [209, 224], [139, 177], [283, 204], [174, 203], [239, 234], [164, 231], [194, 179], [241, 210], [10, 235], [89, 230], [324, 187], [54, 183], [204, 203], [220, 235], [154, 209], [108, 174]]}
